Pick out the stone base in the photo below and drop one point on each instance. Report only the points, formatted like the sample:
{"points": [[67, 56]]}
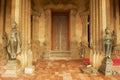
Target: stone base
{"points": [[11, 69], [29, 69], [46, 56], [10, 73], [107, 67]]}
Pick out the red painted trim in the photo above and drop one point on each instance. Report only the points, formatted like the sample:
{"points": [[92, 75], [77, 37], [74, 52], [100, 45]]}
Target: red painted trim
{"points": [[68, 33], [116, 61], [52, 35]]}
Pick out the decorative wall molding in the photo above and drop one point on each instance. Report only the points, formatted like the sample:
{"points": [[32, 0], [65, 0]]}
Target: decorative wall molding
{"points": [[59, 1], [62, 7], [84, 13]]}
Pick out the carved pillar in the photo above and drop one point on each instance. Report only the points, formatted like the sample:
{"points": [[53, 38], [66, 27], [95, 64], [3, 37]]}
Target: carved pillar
{"points": [[25, 27], [35, 27], [1, 19], [5, 17], [84, 19], [79, 28], [38, 27], [98, 23], [73, 41], [21, 14], [112, 15], [72, 23], [48, 27], [15, 12], [92, 28], [42, 28], [117, 20], [47, 13], [108, 9]]}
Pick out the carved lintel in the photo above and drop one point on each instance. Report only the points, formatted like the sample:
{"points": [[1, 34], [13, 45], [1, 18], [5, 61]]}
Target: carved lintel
{"points": [[60, 7], [47, 12], [84, 44], [34, 12], [84, 13]]}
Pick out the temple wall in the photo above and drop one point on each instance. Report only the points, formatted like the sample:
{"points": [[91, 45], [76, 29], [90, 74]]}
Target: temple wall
{"points": [[40, 34], [41, 31]]}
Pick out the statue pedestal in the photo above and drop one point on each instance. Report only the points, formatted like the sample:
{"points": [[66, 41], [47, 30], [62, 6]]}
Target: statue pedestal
{"points": [[29, 69], [107, 67], [12, 69]]}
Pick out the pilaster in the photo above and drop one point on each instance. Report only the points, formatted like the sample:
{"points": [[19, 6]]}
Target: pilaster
{"points": [[35, 27], [72, 28], [84, 19], [21, 14], [25, 28], [1, 19], [99, 9], [112, 15], [117, 21], [48, 20], [108, 9]]}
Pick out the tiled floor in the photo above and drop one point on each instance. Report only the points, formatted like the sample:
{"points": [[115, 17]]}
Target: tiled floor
{"points": [[61, 70]]}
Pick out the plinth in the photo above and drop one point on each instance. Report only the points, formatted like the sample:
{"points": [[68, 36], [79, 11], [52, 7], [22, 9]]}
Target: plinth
{"points": [[107, 67], [29, 69], [12, 69]]}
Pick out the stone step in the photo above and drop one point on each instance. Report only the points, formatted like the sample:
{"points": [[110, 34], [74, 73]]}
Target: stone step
{"points": [[60, 56], [10, 73]]}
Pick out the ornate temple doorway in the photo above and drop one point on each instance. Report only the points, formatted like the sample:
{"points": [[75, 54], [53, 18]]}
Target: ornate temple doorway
{"points": [[60, 31]]}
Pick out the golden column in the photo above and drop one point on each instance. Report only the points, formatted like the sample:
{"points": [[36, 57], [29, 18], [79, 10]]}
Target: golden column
{"points": [[35, 27], [1, 19], [47, 32], [21, 13], [25, 27], [98, 22], [117, 21]]}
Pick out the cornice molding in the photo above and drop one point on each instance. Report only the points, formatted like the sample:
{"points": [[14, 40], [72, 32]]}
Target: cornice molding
{"points": [[60, 6]]}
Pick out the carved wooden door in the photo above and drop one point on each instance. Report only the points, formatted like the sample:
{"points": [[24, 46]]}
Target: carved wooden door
{"points": [[60, 31]]}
